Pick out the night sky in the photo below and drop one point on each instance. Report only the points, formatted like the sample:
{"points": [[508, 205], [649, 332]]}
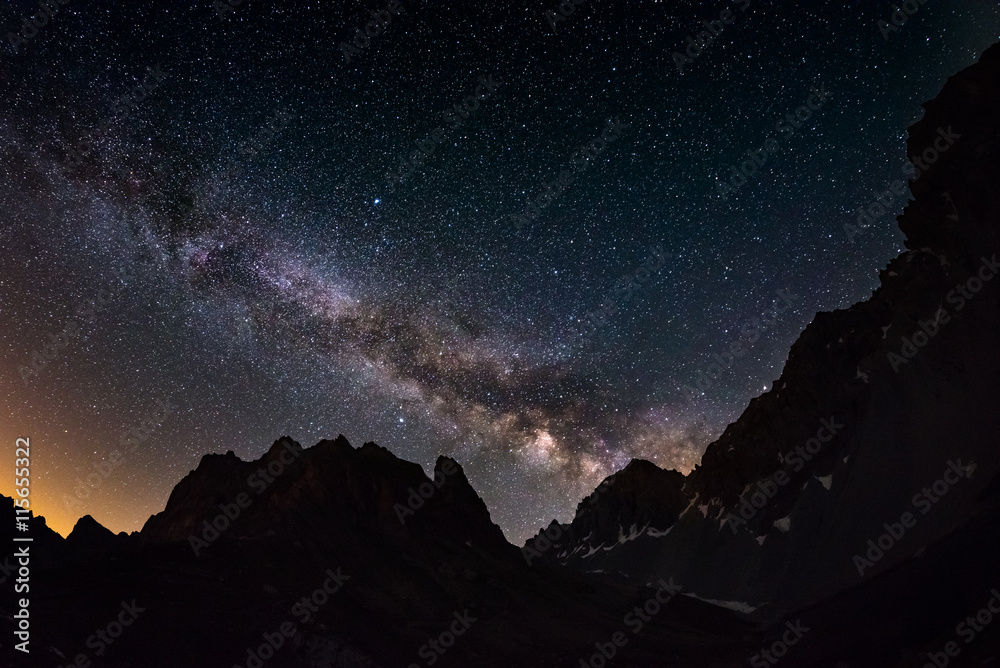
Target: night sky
{"points": [[247, 241]]}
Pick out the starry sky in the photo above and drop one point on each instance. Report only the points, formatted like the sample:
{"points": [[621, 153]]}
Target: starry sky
{"points": [[216, 230]]}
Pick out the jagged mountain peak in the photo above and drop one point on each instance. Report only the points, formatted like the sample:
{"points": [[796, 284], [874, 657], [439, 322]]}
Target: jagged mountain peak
{"points": [[636, 499], [90, 538], [88, 526], [331, 487]]}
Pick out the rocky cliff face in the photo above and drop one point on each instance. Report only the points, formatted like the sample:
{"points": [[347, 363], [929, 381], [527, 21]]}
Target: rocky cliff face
{"points": [[875, 404], [640, 499]]}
